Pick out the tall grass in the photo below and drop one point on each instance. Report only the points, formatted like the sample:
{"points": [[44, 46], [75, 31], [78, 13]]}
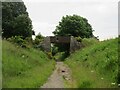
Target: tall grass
{"points": [[24, 68], [95, 66], [88, 42]]}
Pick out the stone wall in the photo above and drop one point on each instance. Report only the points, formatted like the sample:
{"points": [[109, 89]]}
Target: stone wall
{"points": [[46, 44], [59, 39], [74, 45]]}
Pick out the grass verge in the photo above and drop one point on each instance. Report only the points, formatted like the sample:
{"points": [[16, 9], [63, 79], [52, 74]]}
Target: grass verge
{"points": [[95, 66], [24, 68]]}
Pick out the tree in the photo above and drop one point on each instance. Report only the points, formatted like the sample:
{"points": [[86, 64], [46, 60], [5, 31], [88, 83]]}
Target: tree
{"points": [[33, 32], [74, 26], [15, 20], [39, 36], [22, 26], [38, 39]]}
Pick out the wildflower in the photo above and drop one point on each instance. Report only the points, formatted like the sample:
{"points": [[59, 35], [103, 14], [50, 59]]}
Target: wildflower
{"points": [[23, 56], [118, 85], [107, 48], [102, 78], [113, 83], [92, 71]]}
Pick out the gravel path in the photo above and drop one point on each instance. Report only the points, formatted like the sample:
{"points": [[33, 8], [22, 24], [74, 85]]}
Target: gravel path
{"points": [[56, 79]]}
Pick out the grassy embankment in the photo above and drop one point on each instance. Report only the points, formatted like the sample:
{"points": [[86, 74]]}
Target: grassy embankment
{"points": [[24, 68], [95, 66]]}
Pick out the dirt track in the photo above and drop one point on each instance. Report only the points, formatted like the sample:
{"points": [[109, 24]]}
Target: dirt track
{"points": [[56, 80]]}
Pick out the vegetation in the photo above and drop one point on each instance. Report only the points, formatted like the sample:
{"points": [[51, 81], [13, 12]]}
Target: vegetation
{"points": [[74, 26], [37, 42], [24, 43], [88, 42], [23, 26], [95, 66], [15, 20], [118, 60], [23, 67]]}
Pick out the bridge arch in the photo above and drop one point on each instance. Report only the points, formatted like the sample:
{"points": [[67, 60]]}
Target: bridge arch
{"points": [[73, 43]]}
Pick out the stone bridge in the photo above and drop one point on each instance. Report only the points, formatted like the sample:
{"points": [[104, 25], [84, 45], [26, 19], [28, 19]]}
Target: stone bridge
{"points": [[73, 43]]}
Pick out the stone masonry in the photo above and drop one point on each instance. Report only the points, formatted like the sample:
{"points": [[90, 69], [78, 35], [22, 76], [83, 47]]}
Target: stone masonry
{"points": [[74, 44]]}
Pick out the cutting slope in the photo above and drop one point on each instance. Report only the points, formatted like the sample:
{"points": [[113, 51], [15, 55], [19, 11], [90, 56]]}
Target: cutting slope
{"points": [[96, 65], [24, 68]]}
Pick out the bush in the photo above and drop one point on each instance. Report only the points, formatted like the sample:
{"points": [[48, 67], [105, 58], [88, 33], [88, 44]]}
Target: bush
{"points": [[20, 41], [89, 41], [49, 55], [39, 46], [79, 39], [54, 50], [38, 41]]}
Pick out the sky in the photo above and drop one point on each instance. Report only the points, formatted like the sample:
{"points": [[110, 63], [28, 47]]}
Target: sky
{"points": [[101, 14]]}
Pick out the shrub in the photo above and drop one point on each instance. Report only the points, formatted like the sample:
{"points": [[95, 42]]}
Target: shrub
{"points": [[20, 41], [89, 41], [39, 38], [54, 50], [49, 55], [79, 39], [37, 41]]}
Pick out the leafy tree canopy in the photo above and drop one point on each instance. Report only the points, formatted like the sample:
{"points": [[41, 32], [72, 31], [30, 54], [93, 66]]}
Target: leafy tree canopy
{"points": [[15, 20], [38, 39], [74, 26], [39, 36], [22, 26]]}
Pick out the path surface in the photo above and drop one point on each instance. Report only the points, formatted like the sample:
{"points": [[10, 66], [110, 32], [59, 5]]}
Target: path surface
{"points": [[56, 80]]}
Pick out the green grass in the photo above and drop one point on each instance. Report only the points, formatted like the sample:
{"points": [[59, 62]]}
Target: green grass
{"points": [[88, 42], [95, 66], [24, 68]]}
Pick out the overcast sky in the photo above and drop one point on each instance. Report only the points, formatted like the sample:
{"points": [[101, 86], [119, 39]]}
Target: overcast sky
{"points": [[101, 14]]}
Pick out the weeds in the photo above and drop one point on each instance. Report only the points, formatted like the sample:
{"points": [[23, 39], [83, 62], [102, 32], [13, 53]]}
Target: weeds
{"points": [[100, 57], [24, 68]]}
